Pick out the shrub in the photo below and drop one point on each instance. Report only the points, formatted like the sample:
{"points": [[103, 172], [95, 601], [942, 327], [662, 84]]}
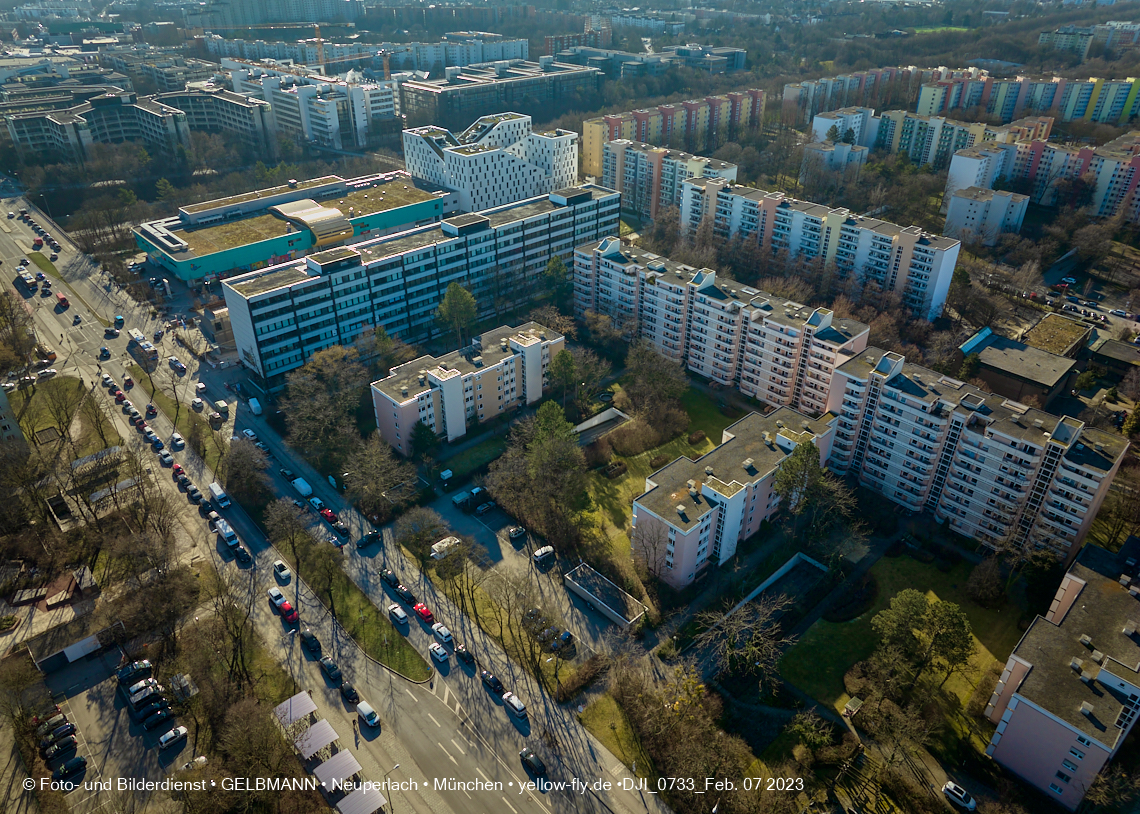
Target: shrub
{"points": [[669, 421], [598, 453], [633, 438], [581, 678], [658, 461], [7, 622], [696, 437]]}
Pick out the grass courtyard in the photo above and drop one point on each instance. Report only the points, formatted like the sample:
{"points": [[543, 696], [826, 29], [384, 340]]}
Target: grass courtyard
{"points": [[818, 662], [53, 403]]}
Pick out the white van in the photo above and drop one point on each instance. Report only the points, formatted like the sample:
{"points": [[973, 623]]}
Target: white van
{"points": [[443, 547], [514, 705], [367, 714], [227, 533], [544, 554]]}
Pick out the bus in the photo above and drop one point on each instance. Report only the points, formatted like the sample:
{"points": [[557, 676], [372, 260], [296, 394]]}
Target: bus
{"points": [[136, 336], [63, 303]]}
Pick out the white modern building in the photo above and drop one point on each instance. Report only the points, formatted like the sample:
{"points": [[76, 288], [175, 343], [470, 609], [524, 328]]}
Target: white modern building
{"points": [[283, 314], [650, 178], [315, 109], [499, 371], [984, 214], [994, 470], [496, 161], [770, 348], [693, 514], [913, 263], [834, 158], [859, 121]]}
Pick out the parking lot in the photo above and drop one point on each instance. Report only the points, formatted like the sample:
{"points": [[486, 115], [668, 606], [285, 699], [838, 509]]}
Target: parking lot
{"points": [[490, 531], [114, 744]]}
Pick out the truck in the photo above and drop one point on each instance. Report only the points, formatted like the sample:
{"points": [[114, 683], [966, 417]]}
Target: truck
{"points": [[227, 533], [461, 500], [255, 406], [302, 487], [218, 495]]}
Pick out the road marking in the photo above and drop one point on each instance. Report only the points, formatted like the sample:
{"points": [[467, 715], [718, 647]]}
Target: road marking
{"points": [[409, 692], [481, 772], [449, 757], [445, 692], [433, 720], [508, 805], [457, 746]]}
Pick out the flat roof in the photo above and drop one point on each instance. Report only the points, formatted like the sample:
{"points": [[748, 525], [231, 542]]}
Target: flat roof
{"points": [[670, 487], [244, 197], [1120, 351], [1025, 362], [278, 278], [1056, 334]]}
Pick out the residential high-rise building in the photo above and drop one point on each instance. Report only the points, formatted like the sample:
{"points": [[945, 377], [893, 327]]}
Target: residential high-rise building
{"points": [[984, 214], [282, 315], [913, 263], [221, 14], [501, 370], [835, 158], [649, 178], [693, 514], [993, 469], [935, 139], [803, 100], [770, 348], [497, 160], [10, 430], [1109, 101], [539, 89], [1067, 698], [694, 125]]}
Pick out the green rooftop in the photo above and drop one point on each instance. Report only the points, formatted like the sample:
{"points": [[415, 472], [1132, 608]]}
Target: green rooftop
{"points": [[244, 197], [223, 236], [271, 280]]}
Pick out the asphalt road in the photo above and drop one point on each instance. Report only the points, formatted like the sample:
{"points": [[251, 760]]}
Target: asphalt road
{"points": [[450, 727]]}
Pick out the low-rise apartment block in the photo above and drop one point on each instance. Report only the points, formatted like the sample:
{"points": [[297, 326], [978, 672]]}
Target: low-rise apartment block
{"points": [[1019, 371], [463, 94], [497, 160], [167, 68], [1068, 696], [282, 315], [693, 125], [993, 469], [770, 348], [915, 264], [832, 158], [693, 514], [649, 178], [500, 371], [984, 214]]}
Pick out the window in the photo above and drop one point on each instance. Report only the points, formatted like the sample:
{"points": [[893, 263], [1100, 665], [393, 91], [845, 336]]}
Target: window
{"points": [[1068, 764], [1079, 755], [1081, 739], [1055, 788], [1062, 776]]}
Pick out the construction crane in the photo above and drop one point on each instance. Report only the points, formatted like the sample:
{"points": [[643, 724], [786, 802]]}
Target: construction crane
{"points": [[320, 46]]}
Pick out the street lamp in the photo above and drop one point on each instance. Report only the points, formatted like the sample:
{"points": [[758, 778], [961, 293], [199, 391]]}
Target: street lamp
{"points": [[385, 786]]}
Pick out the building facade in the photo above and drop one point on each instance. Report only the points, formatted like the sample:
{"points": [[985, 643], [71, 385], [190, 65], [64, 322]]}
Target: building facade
{"points": [[1108, 101], [500, 371], [913, 263], [832, 158], [694, 125], [984, 214], [768, 347], [650, 178], [993, 469], [284, 314], [496, 161], [693, 514], [804, 100], [1069, 693]]}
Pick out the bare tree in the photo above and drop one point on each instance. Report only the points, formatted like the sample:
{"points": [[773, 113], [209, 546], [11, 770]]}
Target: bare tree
{"points": [[649, 541], [244, 468], [286, 525], [747, 642], [417, 529]]}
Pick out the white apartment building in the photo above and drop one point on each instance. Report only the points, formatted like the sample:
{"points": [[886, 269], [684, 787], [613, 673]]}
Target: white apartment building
{"points": [[315, 109], [913, 263], [10, 430], [860, 121], [499, 371], [993, 469], [497, 160], [283, 314], [984, 214], [770, 348], [650, 178], [832, 158], [693, 514]]}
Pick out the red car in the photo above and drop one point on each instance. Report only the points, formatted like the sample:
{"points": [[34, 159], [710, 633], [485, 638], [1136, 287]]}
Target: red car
{"points": [[151, 410], [128, 382], [424, 612], [120, 397], [329, 514], [176, 471], [140, 425], [287, 612]]}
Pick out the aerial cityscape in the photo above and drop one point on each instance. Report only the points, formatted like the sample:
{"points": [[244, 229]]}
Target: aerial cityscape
{"points": [[566, 408]]}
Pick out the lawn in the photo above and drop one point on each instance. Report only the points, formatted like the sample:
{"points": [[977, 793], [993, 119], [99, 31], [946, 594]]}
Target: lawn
{"points": [[33, 408], [934, 29], [186, 415], [606, 721], [471, 459], [48, 267], [818, 662], [613, 499]]}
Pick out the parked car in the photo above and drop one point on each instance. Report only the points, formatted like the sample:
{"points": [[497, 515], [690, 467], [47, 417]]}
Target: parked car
{"points": [[310, 641], [438, 652], [288, 613], [483, 508], [389, 576], [405, 594], [134, 671], [463, 654], [172, 737], [329, 668], [441, 633], [516, 533], [328, 514], [492, 682], [74, 766], [397, 614], [959, 796], [281, 571], [61, 747], [424, 612], [159, 717], [532, 762]]}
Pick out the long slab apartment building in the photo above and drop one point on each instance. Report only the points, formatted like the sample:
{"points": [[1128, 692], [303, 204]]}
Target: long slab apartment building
{"points": [[282, 315], [915, 264]]}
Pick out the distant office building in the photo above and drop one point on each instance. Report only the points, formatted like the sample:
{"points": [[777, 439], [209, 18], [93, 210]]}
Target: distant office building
{"points": [[266, 227], [167, 69], [501, 370], [649, 178], [652, 23], [627, 65], [709, 58], [284, 314], [913, 263], [593, 38], [701, 510], [770, 348], [497, 160], [222, 14], [695, 125], [314, 109], [825, 157], [983, 214], [531, 88]]}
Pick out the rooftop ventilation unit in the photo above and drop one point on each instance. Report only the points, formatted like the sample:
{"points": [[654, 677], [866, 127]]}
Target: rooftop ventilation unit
{"points": [[1086, 640], [692, 491], [708, 470], [692, 483], [747, 463], [1086, 709], [1125, 580], [680, 510], [1129, 628], [404, 390], [1077, 665], [1098, 656]]}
